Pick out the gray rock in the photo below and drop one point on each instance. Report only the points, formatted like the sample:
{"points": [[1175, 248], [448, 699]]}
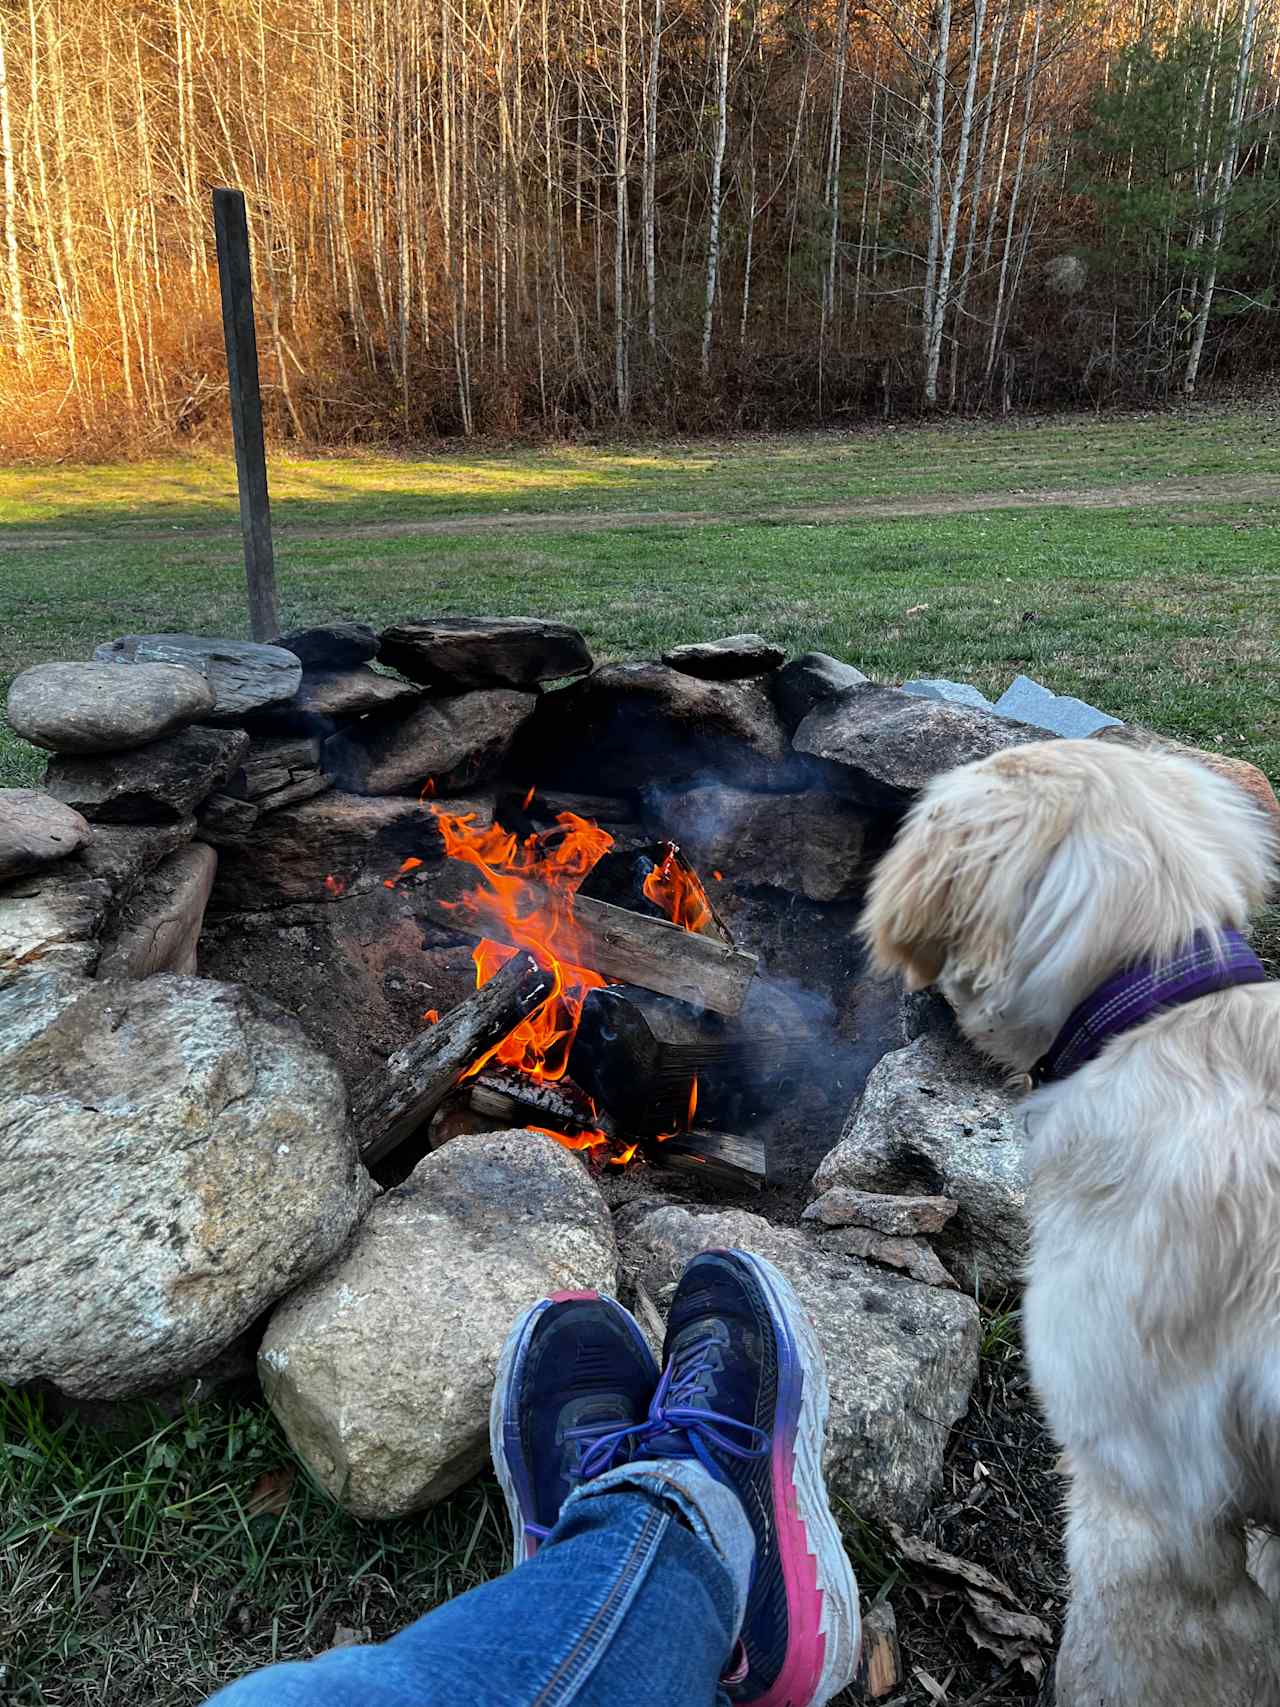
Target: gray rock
{"points": [[243, 674], [647, 724], [885, 745], [453, 653], [455, 743], [174, 1156], [329, 698], [899, 1216], [901, 1358], [950, 693], [1027, 701], [36, 831], [159, 928], [159, 783], [381, 1368], [330, 646], [726, 660], [934, 1119], [808, 842], [53, 919], [330, 847], [274, 762], [912, 1256], [226, 822], [808, 680], [91, 708]]}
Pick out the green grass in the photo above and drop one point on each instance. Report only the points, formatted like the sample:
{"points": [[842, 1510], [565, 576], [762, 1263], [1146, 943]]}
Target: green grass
{"points": [[156, 1564], [731, 477]]}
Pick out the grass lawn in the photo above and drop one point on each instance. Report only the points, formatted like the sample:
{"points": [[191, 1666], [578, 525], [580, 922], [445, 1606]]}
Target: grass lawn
{"points": [[148, 1567]]}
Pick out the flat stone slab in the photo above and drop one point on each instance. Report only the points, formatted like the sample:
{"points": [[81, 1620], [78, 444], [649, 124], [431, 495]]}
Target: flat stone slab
{"points": [[53, 918], [159, 929], [37, 831], [935, 1120], [726, 660], [242, 674], [806, 681], [455, 743], [158, 783], [885, 745], [330, 646], [381, 1368], [456, 652], [950, 693], [174, 1156], [1028, 701], [92, 708], [913, 1256], [325, 848], [902, 1358], [329, 698], [898, 1216], [807, 842]]}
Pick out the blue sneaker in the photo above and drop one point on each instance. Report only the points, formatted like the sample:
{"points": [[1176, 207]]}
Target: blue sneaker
{"points": [[744, 1391], [573, 1386]]}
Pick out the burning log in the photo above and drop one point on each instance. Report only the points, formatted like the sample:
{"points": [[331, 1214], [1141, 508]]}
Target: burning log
{"points": [[391, 1102], [638, 1054], [723, 1159], [517, 1100], [659, 882]]}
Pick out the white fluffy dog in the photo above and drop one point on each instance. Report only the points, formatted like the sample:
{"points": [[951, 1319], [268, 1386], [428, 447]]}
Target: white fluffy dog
{"points": [[1020, 885]]}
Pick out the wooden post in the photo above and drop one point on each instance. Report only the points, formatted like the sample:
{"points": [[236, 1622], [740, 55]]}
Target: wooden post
{"points": [[236, 279]]}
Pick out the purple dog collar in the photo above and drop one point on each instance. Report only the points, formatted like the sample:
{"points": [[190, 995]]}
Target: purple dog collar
{"points": [[1207, 964]]}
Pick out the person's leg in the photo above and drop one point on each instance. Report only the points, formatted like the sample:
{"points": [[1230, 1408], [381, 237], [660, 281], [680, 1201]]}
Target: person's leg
{"points": [[634, 1600]]}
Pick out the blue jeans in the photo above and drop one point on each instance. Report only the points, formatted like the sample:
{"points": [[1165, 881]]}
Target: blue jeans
{"points": [[634, 1600]]}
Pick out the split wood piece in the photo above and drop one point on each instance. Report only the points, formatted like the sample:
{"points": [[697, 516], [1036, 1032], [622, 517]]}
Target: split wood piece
{"points": [[637, 1053], [723, 1159], [880, 1667], [518, 1100], [392, 1101], [618, 877], [658, 955]]}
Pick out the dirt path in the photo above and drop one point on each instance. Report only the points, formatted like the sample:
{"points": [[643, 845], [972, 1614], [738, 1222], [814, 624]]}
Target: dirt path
{"points": [[1195, 489]]}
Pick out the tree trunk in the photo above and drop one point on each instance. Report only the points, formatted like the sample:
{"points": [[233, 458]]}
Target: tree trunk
{"points": [[717, 166]]}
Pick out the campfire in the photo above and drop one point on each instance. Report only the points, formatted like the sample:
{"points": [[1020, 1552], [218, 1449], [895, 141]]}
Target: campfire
{"points": [[607, 991]]}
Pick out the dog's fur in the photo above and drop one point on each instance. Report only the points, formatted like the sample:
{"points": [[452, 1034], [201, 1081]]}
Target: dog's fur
{"points": [[1152, 1308]]}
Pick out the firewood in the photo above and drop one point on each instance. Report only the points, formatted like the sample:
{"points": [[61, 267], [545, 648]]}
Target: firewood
{"points": [[637, 1054], [510, 1096], [619, 878], [652, 953], [724, 1159], [392, 1101]]}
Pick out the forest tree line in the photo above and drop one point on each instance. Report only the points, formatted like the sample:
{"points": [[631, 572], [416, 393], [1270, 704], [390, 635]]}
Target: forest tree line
{"points": [[542, 215]]}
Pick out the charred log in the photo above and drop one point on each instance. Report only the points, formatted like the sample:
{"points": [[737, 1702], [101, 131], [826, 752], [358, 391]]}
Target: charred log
{"points": [[391, 1102], [723, 1159]]}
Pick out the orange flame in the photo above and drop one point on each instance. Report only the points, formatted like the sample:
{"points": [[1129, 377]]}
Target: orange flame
{"points": [[718, 875], [335, 885], [678, 892], [526, 895], [693, 1104], [406, 867], [527, 802], [431, 1017], [582, 1141]]}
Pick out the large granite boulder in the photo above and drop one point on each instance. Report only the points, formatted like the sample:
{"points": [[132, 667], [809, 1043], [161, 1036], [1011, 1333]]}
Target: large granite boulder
{"points": [[884, 745], [454, 653], [92, 708], [243, 675], [381, 1367], [174, 1157], [902, 1358], [934, 1119], [647, 724], [454, 743], [806, 841], [36, 831], [158, 784]]}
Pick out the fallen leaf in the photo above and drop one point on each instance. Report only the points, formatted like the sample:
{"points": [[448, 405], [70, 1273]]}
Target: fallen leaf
{"points": [[916, 609], [345, 1637], [923, 1553], [994, 1619], [270, 1493]]}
